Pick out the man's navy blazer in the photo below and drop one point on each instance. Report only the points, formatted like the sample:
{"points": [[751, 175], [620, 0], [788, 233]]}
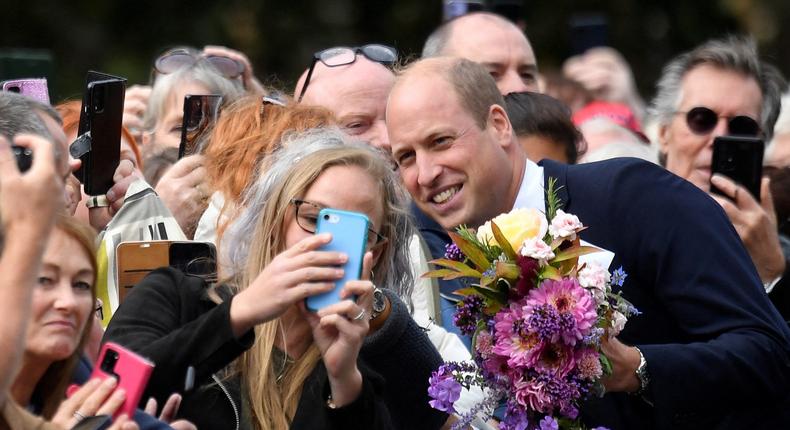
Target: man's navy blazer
{"points": [[718, 352]]}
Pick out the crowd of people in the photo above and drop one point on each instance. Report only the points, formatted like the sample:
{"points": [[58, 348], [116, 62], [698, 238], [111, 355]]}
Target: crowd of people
{"points": [[471, 130]]}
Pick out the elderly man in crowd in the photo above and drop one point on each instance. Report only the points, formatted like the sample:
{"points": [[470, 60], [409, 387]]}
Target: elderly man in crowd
{"points": [[702, 94], [492, 41], [709, 351]]}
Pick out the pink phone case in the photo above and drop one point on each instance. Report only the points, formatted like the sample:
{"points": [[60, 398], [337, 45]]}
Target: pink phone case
{"points": [[131, 370], [34, 88]]}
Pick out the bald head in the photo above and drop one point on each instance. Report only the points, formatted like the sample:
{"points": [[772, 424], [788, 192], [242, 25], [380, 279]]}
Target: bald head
{"points": [[356, 93], [492, 41]]}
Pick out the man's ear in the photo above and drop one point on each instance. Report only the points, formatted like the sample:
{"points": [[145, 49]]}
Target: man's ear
{"points": [[499, 124]]}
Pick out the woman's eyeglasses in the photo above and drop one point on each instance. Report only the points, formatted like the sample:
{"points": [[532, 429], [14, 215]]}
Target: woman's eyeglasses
{"points": [[342, 55], [173, 60], [307, 218], [702, 120]]}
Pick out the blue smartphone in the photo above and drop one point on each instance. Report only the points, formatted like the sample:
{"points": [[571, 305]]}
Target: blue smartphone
{"points": [[349, 235]]}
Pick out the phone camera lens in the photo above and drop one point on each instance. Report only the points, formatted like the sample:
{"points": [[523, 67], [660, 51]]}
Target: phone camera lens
{"points": [[108, 363], [326, 217], [14, 89]]}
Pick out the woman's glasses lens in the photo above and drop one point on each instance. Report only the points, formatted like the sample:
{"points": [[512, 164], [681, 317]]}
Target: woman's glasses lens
{"points": [[380, 53], [170, 63]]}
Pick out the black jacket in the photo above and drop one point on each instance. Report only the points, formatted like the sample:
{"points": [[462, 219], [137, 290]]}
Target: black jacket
{"points": [[169, 319]]}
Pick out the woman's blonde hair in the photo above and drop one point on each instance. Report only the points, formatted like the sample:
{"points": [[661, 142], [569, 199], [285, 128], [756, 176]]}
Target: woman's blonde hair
{"points": [[258, 236]]}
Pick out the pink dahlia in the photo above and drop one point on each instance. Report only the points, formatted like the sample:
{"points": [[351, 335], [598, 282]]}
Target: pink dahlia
{"points": [[588, 363], [512, 339], [531, 394], [574, 305]]}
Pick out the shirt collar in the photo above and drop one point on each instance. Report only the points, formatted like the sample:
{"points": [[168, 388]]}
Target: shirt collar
{"points": [[530, 194]]}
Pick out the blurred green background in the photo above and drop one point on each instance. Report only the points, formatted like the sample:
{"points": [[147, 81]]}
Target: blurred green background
{"points": [[123, 37]]}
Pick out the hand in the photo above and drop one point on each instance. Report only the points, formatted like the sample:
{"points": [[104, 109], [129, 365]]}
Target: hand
{"points": [[338, 331], [625, 360], [292, 276], [29, 201], [169, 411], [184, 190], [124, 176], [134, 106], [606, 74], [251, 83], [96, 397], [755, 223]]}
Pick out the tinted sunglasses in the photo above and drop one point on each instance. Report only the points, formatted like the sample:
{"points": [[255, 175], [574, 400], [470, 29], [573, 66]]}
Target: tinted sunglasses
{"points": [[341, 56], [173, 60], [702, 120]]}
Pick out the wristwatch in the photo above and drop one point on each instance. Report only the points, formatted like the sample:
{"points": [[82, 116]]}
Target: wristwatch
{"points": [[642, 375], [379, 303]]}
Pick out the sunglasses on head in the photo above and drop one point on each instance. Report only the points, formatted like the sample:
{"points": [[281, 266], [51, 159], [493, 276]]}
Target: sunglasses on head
{"points": [[341, 56], [173, 60], [702, 120]]}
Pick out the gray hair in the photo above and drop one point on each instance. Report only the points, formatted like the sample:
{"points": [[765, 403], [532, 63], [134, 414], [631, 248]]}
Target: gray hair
{"points": [[20, 114], [733, 53], [279, 168], [201, 72]]}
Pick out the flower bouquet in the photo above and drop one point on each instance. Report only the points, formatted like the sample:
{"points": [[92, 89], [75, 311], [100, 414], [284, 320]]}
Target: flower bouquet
{"points": [[536, 315]]}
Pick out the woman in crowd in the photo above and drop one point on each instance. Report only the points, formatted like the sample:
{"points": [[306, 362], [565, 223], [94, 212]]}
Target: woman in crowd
{"points": [[62, 309], [291, 368], [247, 132]]}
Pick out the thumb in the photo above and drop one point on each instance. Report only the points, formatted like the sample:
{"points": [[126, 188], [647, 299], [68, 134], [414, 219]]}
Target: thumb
{"points": [[367, 266]]}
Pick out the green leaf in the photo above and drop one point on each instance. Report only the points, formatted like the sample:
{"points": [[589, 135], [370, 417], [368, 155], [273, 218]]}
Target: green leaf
{"points": [[549, 272], [503, 242], [507, 270], [490, 294], [457, 266], [471, 252], [553, 202], [468, 291], [574, 252]]}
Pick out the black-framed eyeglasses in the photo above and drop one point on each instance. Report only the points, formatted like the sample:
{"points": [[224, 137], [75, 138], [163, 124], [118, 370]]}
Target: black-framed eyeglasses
{"points": [[177, 58], [702, 120], [342, 55], [307, 218]]}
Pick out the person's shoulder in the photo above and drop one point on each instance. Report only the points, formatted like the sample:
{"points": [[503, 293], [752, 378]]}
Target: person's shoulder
{"points": [[618, 166]]}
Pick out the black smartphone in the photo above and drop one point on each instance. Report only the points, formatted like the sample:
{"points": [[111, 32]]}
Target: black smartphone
{"points": [[588, 31], [100, 120], [200, 114], [194, 258], [739, 158], [24, 157]]}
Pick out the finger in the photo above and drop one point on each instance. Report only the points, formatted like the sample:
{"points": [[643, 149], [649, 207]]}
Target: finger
{"points": [[767, 199], [195, 177], [367, 266], [307, 244], [732, 212], [727, 187], [170, 409], [150, 407], [123, 423], [312, 274], [138, 92], [342, 324], [343, 307], [357, 288], [317, 259], [185, 165], [43, 152], [132, 122], [134, 107], [112, 404], [73, 402], [308, 289], [74, 164], [8, 166], [125, 168], [117, 193], [97, 398]]}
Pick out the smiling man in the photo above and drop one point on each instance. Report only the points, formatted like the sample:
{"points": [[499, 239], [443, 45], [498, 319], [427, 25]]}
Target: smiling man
{"points": [[492, 41], [708, 350]]}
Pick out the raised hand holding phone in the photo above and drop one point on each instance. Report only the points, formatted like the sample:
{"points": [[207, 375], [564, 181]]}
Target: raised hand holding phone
{"points": [[293, 275]]}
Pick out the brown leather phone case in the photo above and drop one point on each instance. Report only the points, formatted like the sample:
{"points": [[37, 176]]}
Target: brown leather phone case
{"points": [[137, 259]]}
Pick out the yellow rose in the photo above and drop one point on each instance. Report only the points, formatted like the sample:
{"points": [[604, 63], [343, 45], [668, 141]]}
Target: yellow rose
{"points": [[517, 226]]}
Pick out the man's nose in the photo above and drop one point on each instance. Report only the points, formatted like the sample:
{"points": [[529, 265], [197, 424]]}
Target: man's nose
{"points": [[511, 82], [380, 139]]}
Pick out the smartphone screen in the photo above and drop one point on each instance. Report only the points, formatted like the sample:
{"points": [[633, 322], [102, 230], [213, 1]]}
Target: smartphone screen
{"points": [[200, 115], [349, 235], [129, 369], [194, 258], [739, 158]]}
